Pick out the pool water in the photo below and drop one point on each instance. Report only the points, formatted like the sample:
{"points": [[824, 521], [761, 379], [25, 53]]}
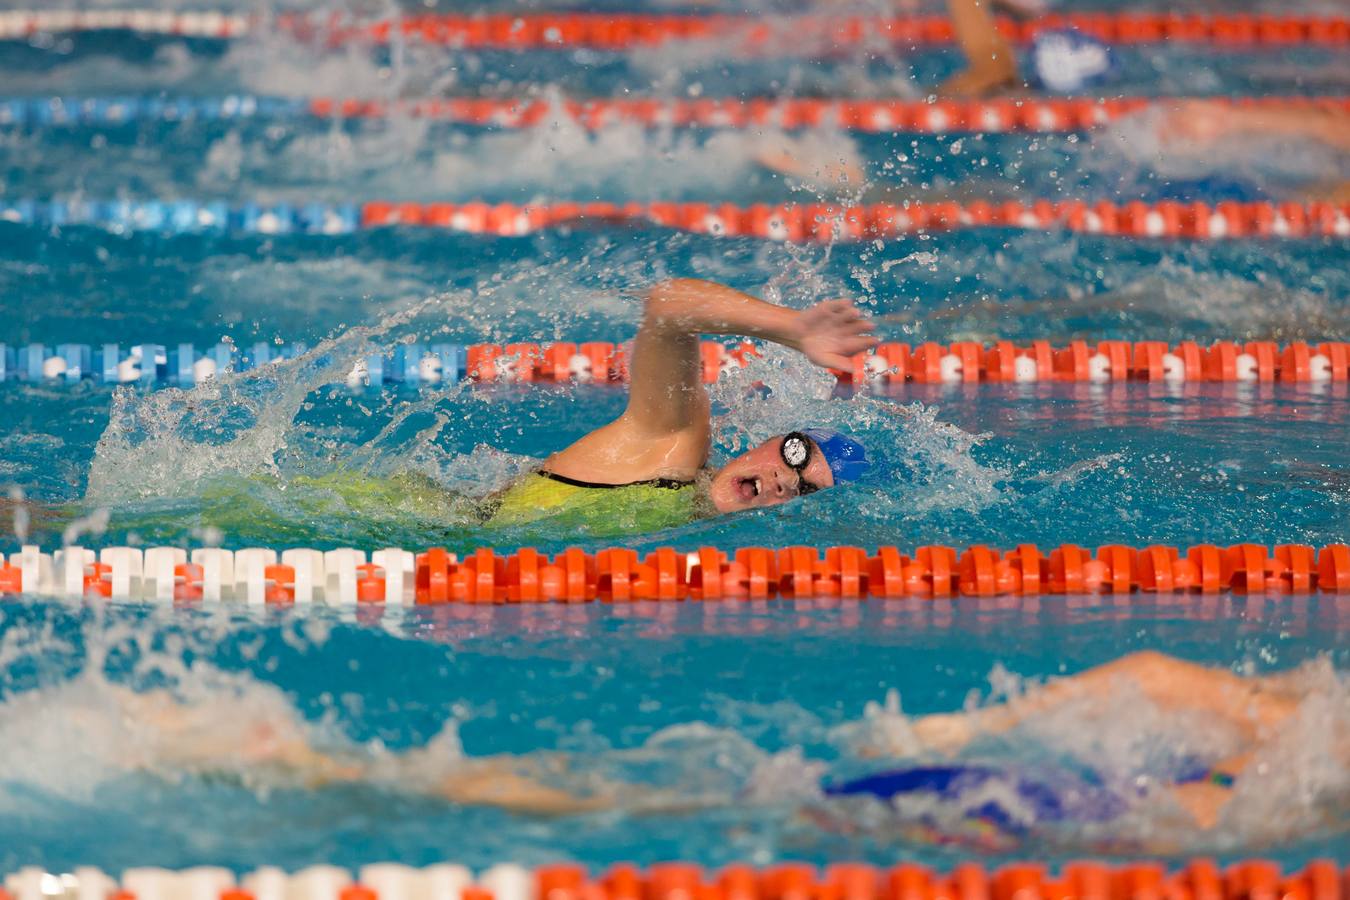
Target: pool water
{"points": [[1049, 463], [746, 708]]}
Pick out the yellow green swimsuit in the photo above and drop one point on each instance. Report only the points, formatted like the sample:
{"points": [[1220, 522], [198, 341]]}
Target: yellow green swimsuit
{"points": [[598, 508], [391, 507]]}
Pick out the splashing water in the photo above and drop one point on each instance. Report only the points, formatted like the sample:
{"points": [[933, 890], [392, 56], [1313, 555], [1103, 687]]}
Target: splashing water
{"points": [[116, 708], [923, 463]]}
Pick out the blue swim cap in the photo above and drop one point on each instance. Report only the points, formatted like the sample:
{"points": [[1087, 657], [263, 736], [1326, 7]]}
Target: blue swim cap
{"points": [[847, 457], [1069, 61]]}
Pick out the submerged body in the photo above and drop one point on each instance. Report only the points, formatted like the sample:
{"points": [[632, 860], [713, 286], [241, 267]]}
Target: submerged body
{"points": [[941, 782]]}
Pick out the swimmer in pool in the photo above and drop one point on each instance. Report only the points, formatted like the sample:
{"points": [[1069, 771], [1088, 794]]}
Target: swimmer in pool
{"points": [[654, 456], [836, 167], [1206, 122], [1061, 61], [998, 803], [647, 470], [1200, 125]]}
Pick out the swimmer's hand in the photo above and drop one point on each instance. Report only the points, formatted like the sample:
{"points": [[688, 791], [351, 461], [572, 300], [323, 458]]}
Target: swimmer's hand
{"points": [[831, 332]]}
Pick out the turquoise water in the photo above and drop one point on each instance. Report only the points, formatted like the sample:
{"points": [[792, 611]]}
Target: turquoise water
{"points": [[744, 706], [1050, 463], [747, 708]]}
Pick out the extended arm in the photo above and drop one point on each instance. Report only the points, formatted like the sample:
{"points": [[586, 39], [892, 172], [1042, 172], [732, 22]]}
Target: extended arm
{"points": [[667, 383], [271, 743], [1171, 684], [1202, 122], [664, 431]]}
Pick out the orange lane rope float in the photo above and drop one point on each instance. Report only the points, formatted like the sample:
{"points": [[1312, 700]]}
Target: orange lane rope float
{"points": [[960, 362], [796, 223], [867, 115], [619, 31], [1199, 879], [345, 577], [827, 223], [872, 115]]}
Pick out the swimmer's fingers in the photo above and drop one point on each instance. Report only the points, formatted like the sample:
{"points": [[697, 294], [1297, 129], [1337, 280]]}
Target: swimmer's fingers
{"points": [[833, 361], [850, 322], [833, 331], [834, 311], [839, 356]]}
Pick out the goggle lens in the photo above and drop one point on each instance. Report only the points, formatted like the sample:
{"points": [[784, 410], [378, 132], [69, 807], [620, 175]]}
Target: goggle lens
{"points": [[796, 453]]}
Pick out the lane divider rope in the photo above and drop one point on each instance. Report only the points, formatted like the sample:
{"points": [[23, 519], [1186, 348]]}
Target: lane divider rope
{"points": [[869, 115], [260, 576], [969, 362], [1201, 879], [818, 222], [618, 31]]}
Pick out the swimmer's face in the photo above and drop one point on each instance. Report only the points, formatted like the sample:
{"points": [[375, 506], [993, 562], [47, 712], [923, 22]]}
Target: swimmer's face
{"points": [[762, 477]]}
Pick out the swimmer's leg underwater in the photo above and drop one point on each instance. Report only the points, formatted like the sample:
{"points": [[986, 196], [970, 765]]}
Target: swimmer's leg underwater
{"points": [[271, 510]]}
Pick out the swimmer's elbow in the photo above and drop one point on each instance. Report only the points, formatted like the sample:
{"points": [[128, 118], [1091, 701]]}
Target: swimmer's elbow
{"points": [[670, 302]]}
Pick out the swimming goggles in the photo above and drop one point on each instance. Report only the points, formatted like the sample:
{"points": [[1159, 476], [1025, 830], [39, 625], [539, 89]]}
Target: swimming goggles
{"points": [[796, 453]]}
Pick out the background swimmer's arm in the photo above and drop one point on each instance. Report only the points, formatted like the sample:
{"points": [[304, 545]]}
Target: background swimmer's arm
{"points": [[1171, 683], [498, 782], [514, 783], [195, 738], [1202, 122], [192, 738], [838, 170], [990, 62]]}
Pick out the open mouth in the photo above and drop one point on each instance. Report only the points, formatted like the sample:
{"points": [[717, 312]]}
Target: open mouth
{"points": [[749, 488]]}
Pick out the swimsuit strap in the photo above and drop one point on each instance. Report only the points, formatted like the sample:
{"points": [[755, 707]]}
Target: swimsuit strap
{"points": [[667, 483], [1222, 779], [1207, 775]]}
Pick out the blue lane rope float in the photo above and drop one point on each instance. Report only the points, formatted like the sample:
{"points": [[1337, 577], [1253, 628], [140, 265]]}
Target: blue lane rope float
{"points": [[44, 111], [183, 365], [186, 216]]}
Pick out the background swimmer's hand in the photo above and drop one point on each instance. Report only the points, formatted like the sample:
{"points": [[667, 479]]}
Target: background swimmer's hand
{"points": [[946, 733], [830, 332], [991, 78]]}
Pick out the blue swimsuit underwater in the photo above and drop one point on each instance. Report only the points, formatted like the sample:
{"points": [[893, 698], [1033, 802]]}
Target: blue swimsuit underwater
{"points": [[1008, 804]]}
